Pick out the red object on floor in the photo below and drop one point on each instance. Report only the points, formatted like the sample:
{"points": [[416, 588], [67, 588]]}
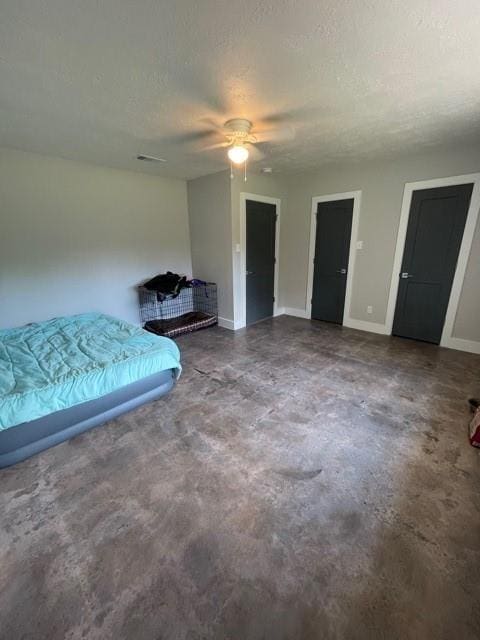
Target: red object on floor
{"points": [[475, 429]]}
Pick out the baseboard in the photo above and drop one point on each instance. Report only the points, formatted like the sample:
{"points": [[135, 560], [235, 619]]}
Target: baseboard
{"points": [[298, 313], [460, 344], [364, 325], [226, 323]]}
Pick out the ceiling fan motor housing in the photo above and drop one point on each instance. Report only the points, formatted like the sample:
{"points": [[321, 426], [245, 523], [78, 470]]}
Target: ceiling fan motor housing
{"points": [[239, 130], [239, 126]]}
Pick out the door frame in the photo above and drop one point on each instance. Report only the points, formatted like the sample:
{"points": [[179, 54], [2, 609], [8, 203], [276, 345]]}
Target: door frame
{"points": [[346, 195], [447, 339], [244, 196]]}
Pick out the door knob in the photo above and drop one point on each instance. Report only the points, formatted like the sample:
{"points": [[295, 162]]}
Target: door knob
{"points": [[249, 273], [342, 271], [406, 275]]}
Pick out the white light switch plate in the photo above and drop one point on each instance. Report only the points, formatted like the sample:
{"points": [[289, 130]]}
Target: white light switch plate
{"points": [[359, 244], [237, 248]]}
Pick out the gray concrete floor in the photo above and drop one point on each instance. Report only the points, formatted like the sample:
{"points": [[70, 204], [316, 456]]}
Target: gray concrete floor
{"points": [[303, 481]]}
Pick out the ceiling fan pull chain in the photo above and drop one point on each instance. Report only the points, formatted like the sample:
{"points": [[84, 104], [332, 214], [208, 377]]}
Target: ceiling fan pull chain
{"points": [[231, 170], [245, 169]]}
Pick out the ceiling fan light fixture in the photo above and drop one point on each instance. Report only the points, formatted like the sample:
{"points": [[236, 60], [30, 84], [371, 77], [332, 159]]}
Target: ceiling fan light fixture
{"points": [[238, 154]]}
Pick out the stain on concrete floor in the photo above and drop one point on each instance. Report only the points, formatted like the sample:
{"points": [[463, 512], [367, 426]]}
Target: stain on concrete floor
{"points": [[303, 481]]}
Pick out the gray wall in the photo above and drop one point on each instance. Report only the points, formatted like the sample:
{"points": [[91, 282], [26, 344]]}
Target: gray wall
{"points": [[382, 186], [467, 322], [77, 237], [214, 215], [211, 235]]}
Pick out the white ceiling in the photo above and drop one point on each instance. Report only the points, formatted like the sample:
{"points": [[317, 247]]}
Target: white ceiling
{"points": [[102, 81]]}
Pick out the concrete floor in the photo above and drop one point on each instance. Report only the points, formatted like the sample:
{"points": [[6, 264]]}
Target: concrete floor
{"points": [[303, 481]]}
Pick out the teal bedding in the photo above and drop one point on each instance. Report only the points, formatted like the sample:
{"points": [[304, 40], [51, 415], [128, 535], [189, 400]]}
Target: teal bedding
{"points": [[53, 365]]}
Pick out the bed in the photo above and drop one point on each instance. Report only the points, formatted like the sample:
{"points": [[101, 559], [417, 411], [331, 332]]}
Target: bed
{"points": [[64, 376]]}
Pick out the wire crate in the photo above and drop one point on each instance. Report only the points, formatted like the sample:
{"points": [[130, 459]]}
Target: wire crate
{"points": [[195, 307]]}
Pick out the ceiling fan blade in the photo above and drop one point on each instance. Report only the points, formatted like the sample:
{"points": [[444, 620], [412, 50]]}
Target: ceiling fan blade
{"points": [[255, 155], [296, 114], [218, 145], [214, 125], [187, 138], [275, 135]]}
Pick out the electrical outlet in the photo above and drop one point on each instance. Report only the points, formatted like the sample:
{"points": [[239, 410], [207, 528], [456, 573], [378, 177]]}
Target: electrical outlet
{"points": [[369, 309]]}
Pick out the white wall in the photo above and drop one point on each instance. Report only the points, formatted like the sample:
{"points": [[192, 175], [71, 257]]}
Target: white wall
{"points": [[382, 185], [76, 237]]}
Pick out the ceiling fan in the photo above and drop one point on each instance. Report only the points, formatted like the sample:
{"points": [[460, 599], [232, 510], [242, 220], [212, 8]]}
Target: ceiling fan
{"points": [[241, 138]]}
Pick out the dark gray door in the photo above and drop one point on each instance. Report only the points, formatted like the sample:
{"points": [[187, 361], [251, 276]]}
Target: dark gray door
{"points": [[332, 248], [260, 259], [434, 234]]}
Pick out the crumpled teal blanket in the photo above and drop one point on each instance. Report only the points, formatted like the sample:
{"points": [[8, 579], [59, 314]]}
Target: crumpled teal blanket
{"points": [[53, 365]]}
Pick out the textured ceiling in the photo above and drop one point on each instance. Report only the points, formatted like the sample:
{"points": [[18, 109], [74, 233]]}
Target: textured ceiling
{"points": [[104, 80]]}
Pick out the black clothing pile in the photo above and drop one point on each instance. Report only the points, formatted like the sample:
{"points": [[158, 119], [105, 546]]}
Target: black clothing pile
{"points": [[167, 284]]}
